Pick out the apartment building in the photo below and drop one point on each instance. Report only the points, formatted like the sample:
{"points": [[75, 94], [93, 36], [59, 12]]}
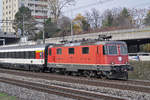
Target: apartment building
{"points": [[39, 10]]}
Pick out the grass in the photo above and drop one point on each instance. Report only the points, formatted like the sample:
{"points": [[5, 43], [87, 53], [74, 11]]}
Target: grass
{"points": [[141, 70], [4, 96]]}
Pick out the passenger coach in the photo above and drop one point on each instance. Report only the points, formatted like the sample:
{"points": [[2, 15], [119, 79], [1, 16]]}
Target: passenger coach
{"points": [[29, 57]]}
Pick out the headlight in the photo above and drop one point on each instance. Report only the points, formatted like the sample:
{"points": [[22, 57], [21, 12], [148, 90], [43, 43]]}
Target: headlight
{"points": [[112, 63]]}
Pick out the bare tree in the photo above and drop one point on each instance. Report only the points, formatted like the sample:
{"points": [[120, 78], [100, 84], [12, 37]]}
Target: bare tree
{"points": [[96, 18], [64, 24], [138, 15], [88, 17], [56, 6]]}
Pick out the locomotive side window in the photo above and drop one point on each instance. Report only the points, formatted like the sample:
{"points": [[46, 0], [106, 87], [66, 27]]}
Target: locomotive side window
{"points": [[71, 51], [59, 51], [112, 50], [85, 50], [123, 50]]}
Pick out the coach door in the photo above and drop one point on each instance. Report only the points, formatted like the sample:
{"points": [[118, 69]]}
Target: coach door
{"points": [[51, 55]]}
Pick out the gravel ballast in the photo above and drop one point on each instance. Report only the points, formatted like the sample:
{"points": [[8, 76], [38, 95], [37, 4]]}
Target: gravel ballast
{"points": [[132, 95], [27, 94]]}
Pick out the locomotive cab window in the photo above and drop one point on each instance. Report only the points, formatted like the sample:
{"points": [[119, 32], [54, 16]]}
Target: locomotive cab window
{"points": [[59, 51], [123, 50], [112, 50], [105, 50], [85, 50], [71, 51]]}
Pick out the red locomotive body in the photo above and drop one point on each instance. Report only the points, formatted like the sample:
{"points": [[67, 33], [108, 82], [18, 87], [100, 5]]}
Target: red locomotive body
{"points": [[106, 59]]}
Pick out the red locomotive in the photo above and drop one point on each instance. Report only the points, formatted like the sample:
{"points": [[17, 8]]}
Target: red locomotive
{"points": [[106, 59]]}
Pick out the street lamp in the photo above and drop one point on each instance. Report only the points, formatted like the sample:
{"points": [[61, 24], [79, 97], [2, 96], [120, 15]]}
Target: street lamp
{"points": [[72, 21]]}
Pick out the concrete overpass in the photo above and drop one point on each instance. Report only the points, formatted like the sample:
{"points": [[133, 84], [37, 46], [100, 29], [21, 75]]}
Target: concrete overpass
{"points": [[130, 34], [133, 37]]}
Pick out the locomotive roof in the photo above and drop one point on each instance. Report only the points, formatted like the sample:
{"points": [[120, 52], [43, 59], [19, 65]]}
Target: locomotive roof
{"points": [[88, 43], [42, 46]]}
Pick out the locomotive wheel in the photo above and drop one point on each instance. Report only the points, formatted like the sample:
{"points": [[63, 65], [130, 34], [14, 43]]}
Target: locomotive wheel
{"points": [[74, 73], [103, 77], [67, 73], [86, 73], [89, 74]]}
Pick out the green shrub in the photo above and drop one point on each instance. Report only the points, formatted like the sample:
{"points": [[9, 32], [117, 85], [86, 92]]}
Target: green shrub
{"points": [[141, 70]]}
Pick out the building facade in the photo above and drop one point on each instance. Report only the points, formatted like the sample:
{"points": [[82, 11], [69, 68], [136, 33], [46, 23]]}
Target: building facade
{"points": [[39, 10]]}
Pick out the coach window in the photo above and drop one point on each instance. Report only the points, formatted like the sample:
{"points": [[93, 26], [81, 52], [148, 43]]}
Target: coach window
{"points": [[17, 54], [13, 55], [31, 54], [1, 55], [22, 55], [50, 52], [5, 55], [26, 54], [8, 54], [71, 51], [59, 51], [85, 50]]}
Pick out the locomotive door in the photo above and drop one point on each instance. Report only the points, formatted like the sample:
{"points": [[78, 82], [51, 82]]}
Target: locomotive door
{"points": [[51, 55], [99, 54]]}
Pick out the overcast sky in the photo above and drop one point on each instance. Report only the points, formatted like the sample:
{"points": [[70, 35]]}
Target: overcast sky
{"points": [[0, 9], [86, 5]]}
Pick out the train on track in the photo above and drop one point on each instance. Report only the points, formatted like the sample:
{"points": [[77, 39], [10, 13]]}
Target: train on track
{"points": [[105, 59]]}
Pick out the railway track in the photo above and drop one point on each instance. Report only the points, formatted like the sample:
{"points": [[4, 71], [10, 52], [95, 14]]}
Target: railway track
{"points": [[138, 86], [59, 90]]}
